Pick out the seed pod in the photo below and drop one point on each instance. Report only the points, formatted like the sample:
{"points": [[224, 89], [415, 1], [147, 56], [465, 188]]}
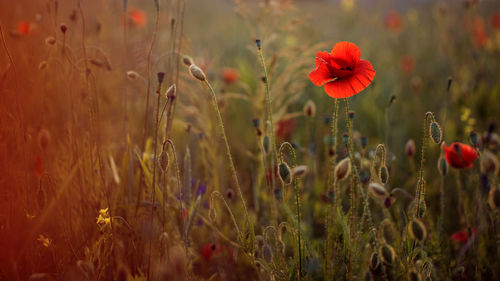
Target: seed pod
{"points": [[374, 262], [387, 254], [256, 122], [378, 190], [442, 166], [383, 174], [267, 253], [435, 132], [285, 173], [417, 230], [160, 76], [494, 198], [50, 41], [171, 92], [258, 43], [164, 161], [488, 163], [229, 194], [410, 148], [64, 28], [299, 171], [197, 72], [132, 75], [187, 60], [265, 144], [310, 109], [343, 169], [345, 137]]}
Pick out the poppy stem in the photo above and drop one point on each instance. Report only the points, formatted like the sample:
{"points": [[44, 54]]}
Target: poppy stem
{"points": [[233, 169], [331, 187], [269, 114], [297, 200], [366, 204]]}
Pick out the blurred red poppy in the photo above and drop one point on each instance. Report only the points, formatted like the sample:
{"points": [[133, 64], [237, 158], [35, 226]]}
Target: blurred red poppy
{"points": [[137, 17], [23, 28], [463, 236], [407, 64], [393, 21], [230, 75], [495, 20], [479, 33], [285, 128], [342, 71], [38, 166], [459, 155], [211, 250]]}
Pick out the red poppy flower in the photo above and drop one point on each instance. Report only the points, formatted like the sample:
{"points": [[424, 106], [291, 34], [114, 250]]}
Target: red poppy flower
{"points": [[38, 166], [342, 71], [459, 155], [210, 251], [479, 33], [285, 128], [137, 17], [463, 236], [393, 21], [23, 28], [495, 20], [407, 64], [230, 75]]}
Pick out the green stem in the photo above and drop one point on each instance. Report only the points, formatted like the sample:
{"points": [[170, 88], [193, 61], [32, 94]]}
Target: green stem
{"points": [[231, 163]]}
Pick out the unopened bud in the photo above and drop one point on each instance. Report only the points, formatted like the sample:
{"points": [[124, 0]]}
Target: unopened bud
{"points": [[383, 174], [410, 148], [132, 75], [387, 254], [378, 190], [187, 60], [494, 198], [285, 173], [299, 171], [310, 109], [343, 169], [50, 41], [417, 230], [435, 132], [197, 72], [171, 92]]}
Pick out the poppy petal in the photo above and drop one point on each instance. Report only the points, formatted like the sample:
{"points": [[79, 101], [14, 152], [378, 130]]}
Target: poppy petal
{"points": [[321, 74], [468, 153], [321, 58], [340, 89], [346, 54]]}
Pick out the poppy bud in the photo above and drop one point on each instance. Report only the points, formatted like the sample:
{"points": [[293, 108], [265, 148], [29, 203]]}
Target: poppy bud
{"points": [[488, 163], [50, 41], [265, 144], [345, 137], [64, 28], [171, 92], [374, 262], [442, 166], [383, 174], [410, 148], [351, 114], [132, 75], [164, 161], [474, 139], [160, 76], [310, 109], [267, 253], [299, 171], [364, 141], [435, 132], [417, 230], [494, 198], [187, 60], [343, 169], [258, 43], [378, 190], [387, 254], [197, 72], [285, 173]]}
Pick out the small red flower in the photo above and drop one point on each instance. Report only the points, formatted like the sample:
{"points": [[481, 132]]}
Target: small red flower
{"points": [[137, 17], [230, 75], [463, 236], [342, 71], [393, 21], [285, 129], [23, 28], [459, 155], [38, 166], [495, 20], [407, 64], [210, 251], [479, 33]]}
